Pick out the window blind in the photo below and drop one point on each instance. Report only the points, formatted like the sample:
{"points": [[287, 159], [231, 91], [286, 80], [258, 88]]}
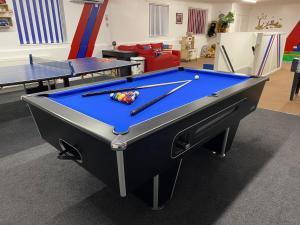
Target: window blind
{"points": [[159, 20]]}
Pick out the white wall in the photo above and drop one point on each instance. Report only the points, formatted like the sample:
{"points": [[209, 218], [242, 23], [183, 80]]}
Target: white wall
{"points": [[246, 15], [12, 52], [130, 22], [127, 22], [219, 8], [288, 12], [238, 47], [241, 12]]}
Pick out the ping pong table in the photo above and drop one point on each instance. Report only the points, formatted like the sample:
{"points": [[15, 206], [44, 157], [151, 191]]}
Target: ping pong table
{"points": [[39, 70]]}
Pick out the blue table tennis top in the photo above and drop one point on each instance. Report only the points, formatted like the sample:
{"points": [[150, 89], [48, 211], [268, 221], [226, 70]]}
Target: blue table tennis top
{"points": [[117, 114], [35, 72]]}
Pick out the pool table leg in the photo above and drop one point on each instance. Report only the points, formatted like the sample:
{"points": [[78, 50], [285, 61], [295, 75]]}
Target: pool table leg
{"points": [[224, 144], [298, 86], [294, 86], [160, 189], [221, 144]]}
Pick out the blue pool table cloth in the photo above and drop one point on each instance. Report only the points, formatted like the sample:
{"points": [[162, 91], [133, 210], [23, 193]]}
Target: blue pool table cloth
{"points": [[117, 115]]}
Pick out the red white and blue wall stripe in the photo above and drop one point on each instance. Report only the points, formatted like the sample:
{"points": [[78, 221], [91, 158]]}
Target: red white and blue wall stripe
{"points": [[39, 21], [265, 58], [279, 50], [84, 40], [268, 50], [266, 55]]}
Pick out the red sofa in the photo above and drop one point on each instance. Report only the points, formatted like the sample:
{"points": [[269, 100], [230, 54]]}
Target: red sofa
{"points": [[153, 62]]}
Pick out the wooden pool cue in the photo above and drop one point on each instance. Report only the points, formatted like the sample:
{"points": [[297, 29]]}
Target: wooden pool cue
{"points": [[131, 88], [143, 107]]}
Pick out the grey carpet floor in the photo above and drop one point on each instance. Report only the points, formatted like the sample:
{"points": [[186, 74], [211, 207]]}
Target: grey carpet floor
{"points": [[17, 135], [257, 183]]}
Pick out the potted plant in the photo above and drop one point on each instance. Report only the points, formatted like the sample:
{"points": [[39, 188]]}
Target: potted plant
{"points": [[225, 21]]}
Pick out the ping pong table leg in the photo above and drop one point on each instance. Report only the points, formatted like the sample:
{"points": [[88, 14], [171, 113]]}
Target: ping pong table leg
{"points": [[25, 89], [41, 83], [66, 82], [92, 74], [48, 84], [116, 72]]}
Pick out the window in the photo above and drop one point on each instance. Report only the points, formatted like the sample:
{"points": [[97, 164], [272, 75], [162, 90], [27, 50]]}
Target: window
{"points": [[159, 20], [197, 21], [39, 21]]}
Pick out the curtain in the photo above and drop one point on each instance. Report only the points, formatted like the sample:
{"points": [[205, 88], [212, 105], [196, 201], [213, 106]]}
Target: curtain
{"points": [[197, 19]]}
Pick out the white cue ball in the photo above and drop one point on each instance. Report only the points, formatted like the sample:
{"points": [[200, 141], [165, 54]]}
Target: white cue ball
{"points": [[197, 77]]}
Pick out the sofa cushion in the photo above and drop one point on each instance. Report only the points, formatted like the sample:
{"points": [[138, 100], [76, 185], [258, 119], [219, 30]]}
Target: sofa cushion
{"points": [[167, 52], [167, 46], [144, 46], [154, 61], [157, 46], [167, 57], [127, 48], [145, 53], [147, 47]]}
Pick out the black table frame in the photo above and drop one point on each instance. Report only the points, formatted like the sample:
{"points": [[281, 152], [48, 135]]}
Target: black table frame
{"points": [[143, 161]]}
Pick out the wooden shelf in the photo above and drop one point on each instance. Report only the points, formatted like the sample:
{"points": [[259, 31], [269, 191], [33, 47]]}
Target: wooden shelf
{"points": [[188, 49], [4, 8], [5, 17], [9, 20], [5, 27]]}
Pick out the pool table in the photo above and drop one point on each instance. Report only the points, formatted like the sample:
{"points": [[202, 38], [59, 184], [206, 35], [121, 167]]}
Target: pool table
{"points": [[142, 154]]}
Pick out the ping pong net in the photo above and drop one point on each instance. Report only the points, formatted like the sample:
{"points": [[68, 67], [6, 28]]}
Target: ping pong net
{"points": [[64, 67]]}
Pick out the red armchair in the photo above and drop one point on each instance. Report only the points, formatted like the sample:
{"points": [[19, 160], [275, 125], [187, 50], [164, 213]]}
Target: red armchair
{"points": [[153, 62]]}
